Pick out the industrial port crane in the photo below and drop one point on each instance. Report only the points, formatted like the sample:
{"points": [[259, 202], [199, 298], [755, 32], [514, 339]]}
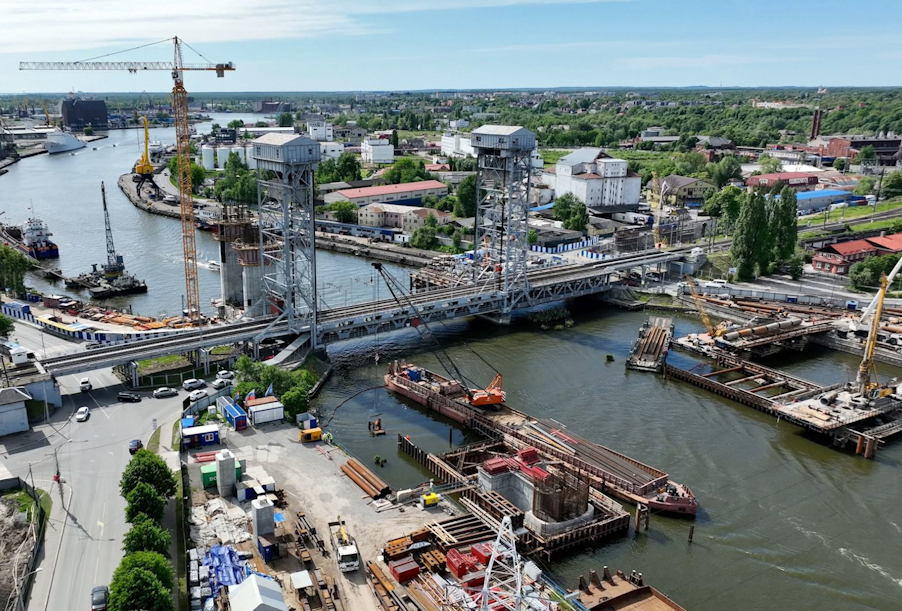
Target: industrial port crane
{"points": [[700, 305], [114, 266], [144, 169], [490, 395], [183, 142]]}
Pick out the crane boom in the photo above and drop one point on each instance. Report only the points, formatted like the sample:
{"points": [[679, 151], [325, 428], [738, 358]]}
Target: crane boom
{"points": [[867, 378], [114, 265], [144, 166], [183, 145], [700, 306]]}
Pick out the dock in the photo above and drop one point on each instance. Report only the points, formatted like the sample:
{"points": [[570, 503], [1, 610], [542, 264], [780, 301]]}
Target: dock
{"points": [[650, 350]]}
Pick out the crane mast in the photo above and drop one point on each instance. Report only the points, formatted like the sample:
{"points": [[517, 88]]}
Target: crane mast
{"points": [[700, 306], [183, 145], [114, 266], [867, 377]]}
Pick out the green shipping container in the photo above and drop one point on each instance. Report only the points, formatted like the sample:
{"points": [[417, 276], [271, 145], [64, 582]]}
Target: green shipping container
{"points": [[208, 474]]}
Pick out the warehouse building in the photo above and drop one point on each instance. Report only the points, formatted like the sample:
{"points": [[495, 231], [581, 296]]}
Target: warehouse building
{"points": [[78, 114], [596, 179], [409, 193]]}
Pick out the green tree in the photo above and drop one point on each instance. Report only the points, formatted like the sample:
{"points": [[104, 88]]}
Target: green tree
{"points": [[146, 536], [578, 219], [424, 238], [143, 500], [446, 204], [430, 201], [466, 198], [149, 468], [405, 170], [725, 204], [236, 123], [532, 236], [89, 131], [198, 176], [286, 120], [456, 238], [431, 221], [769, 165], [13, 266], [297, 399], [564, 207], [139, 590], [345, 212], [724, 170], [7, 325], [394, 138], [796, 266], [749, 236], [839, 164], [785, 225], [892, 185], [866, 153], [865, 186], [153, 562], [348, 167]]}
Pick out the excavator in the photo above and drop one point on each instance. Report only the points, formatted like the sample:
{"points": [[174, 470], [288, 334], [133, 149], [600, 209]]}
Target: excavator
{"points": [[489, 396]]}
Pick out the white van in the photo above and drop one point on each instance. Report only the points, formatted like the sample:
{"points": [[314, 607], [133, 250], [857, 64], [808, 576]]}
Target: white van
{"points": [[85, 385]]}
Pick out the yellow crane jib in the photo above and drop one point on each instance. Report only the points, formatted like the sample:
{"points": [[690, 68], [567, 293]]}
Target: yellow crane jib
{"points": [[867, 373], [700, 306], [183, 143], [144, 166]]}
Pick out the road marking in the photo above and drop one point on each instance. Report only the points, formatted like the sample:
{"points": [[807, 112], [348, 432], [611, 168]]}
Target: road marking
{"points": [[100, 524]]}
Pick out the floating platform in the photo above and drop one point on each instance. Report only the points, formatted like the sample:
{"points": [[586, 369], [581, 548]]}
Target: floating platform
{"points": [[650, 350]]}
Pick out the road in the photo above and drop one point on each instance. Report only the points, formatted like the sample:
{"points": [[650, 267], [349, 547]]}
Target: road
{"points": [[42, 344], [84, 537]]}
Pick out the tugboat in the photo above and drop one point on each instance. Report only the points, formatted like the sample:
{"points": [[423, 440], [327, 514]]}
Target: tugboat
{"points": [[31, 238]]}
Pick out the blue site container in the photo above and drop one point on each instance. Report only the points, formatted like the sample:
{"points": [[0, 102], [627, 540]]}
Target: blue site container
{"points": [[413, 374], [792, 299], [266, 548], [851, 305]]}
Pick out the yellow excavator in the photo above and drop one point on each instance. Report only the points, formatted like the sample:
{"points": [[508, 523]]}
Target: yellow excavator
{"points": [[144, 169], [867, 382]]}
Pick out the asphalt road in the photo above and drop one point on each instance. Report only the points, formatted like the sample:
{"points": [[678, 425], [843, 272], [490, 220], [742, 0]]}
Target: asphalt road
{"points": [[84, 536]]}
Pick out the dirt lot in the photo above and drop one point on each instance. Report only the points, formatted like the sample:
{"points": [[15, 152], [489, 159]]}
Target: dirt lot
{"points": [[16, 542], [311, 478]]}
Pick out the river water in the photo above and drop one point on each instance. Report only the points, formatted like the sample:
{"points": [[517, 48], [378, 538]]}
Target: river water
{"points": [[64, 191], [785, 522]]}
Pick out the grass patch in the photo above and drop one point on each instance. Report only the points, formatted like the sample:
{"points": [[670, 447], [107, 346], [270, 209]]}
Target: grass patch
{"points": [[162, 363], [153, 444], [551, 156], [429, 135], [855, 211], [26, 503], [223, 350], [34, 409], [176, 437], [662, 299]]}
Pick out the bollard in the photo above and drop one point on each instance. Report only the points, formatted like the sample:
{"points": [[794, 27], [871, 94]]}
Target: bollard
{"points": [[450, 437], [859, 446], [691, 532]]}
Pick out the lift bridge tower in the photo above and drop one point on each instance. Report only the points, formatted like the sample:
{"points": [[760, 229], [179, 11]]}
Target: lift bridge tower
{"points": [[285, 201], [502, 209]]}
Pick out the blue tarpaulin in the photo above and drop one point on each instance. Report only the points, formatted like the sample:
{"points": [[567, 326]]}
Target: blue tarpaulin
{"points": [[225, 566]]}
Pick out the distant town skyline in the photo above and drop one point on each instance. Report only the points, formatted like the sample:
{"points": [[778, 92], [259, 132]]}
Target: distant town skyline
{"points": [[307, 45]]}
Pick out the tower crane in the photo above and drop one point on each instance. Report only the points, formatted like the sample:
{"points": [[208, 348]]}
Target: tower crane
{"points": [[176, 68]]}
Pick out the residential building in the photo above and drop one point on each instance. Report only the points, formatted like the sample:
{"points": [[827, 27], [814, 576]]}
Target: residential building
{"points": [[321, 131], [78, 113], [331, 150], [438, 167], [410, 193], [351, 133], [417, 217], [377, 150], [458, 124], [682, 191], [13, 415], [840, 257], [800, 181], [595, 179], [406, 218]]}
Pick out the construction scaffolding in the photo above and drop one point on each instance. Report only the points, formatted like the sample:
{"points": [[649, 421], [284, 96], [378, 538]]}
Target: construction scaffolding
{"points": [[560, 497]]}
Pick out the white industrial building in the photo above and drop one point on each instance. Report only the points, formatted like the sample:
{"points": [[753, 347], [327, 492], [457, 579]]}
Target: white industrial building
{"points": [[331, 150], [457, 145], [13, 415], [595, 179], [377, 150], [321, 131]]}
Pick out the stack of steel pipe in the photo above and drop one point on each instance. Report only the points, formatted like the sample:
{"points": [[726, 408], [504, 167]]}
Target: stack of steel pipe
{"points": [[368, 481]]}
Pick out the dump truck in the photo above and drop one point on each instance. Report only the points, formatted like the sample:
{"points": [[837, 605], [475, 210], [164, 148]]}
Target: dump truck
{"points": [[345, 547]]}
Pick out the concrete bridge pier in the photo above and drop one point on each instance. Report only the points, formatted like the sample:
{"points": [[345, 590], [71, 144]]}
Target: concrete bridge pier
{"points": [[133, 372], [204, 354]]}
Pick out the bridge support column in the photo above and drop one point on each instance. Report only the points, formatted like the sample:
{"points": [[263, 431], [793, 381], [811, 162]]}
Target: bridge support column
{"points": [[133, 371], [204, 354], [256, 349]]}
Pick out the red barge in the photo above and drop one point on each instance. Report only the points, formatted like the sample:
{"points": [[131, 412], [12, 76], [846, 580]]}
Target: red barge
{"points": [[611, 472]]}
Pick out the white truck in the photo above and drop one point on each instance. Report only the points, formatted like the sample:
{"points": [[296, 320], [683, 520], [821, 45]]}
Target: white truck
{"points": [[344, 546]]}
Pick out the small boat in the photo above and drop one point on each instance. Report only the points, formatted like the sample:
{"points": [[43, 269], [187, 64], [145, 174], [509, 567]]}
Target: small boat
{"points": [[213, 266]]}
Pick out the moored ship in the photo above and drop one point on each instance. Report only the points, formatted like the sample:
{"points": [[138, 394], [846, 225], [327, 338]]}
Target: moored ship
{"points": [[616, 473], [62, 142], [32, 238]]}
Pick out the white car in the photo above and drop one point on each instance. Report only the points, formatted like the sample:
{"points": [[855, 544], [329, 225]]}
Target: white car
{"points": [[225, 375], [164, 392], [192, 384], [82, 414], [85, 385], [197, 395], [220, 383], [715, 284]]}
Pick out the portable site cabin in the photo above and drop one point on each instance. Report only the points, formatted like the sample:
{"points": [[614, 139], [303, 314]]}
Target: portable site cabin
{"points": [[266, 412], [198, 436], [233, 413], [257, 593]]}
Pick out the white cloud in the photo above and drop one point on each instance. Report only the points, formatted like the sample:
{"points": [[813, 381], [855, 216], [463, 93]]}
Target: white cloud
{"points": [[63, 25]]}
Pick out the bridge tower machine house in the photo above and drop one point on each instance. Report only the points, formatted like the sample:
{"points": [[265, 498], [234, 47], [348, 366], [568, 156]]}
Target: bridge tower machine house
{"points": [[502, 207], [286, 218]]}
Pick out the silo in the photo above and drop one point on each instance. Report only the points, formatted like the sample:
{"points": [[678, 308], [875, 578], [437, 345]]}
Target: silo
{"points": [[249, 155], [207, 155]]}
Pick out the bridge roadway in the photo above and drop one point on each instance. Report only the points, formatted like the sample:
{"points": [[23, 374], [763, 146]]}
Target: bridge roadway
{"points": [[353, 321]]}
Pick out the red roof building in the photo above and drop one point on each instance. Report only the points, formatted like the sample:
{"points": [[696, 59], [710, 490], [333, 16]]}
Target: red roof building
{"points": [[410, 193], [839, 258], [800, 181]]}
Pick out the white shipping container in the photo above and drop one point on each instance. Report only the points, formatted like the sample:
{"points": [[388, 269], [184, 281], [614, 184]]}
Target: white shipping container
{"points": [[267, 412]]}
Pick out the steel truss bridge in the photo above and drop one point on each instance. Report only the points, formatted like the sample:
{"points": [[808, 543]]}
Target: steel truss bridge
{"points": [[354, 321]]}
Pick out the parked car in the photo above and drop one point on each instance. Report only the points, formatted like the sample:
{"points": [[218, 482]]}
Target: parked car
{"points": [[225, 374], [715, 284], [100, 598], [165, 391], [134, 445], [128, 397], [193, 384], [82, 414], [93, 345], [197, 395], [85, 385], [220, 383]]}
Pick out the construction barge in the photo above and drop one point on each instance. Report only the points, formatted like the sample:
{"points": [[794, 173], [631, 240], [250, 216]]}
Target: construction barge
{"points": [[607, 470], [650, 350]]}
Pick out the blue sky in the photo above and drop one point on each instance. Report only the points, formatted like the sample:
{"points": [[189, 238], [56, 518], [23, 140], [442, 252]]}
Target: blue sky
{"points": [[321, 45]]}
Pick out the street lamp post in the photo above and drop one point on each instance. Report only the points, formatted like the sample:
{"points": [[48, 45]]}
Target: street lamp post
{"points": [[20, 606]]}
